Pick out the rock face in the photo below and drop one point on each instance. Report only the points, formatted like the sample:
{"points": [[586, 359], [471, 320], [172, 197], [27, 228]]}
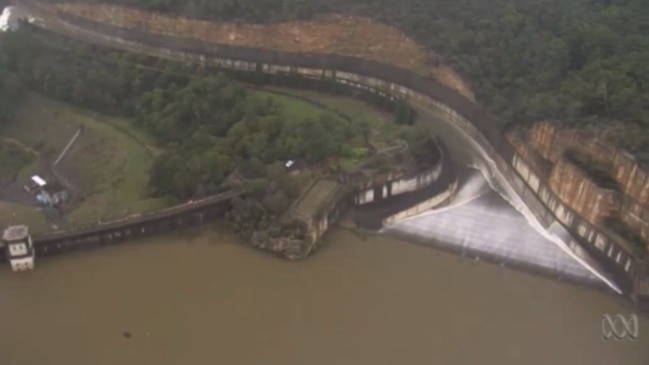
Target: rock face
{"points": [[598, 181], [586, 197], [297, 232], [334, 33], [289, 247]]}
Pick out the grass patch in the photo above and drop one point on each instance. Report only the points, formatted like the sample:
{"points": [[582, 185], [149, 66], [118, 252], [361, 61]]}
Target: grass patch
{"points": [[11, 214], [125, 126], [14, 157], [352, 158], [356, 110], [380, 126], [294, 108], [109, 162]]}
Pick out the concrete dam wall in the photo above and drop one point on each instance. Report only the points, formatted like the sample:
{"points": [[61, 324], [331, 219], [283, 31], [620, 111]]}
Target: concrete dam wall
{"points": [[399, 197], [396, 184], [331, 200], [507, 171], [106, 233]]}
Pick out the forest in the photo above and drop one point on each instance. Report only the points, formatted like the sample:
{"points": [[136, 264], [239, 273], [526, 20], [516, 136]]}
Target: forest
{"points": [[579, 63], [206, 123]]}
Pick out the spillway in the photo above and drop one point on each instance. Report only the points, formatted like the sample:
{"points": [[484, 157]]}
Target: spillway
{"points": [[488, 219], [480, 223]]}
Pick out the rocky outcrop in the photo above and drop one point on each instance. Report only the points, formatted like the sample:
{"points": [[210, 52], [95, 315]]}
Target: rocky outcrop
{"points": [[573, 186], [285, 245], [598, 181]]}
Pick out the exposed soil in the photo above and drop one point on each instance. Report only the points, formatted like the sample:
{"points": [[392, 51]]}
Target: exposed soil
{"points": [[345, 35]]}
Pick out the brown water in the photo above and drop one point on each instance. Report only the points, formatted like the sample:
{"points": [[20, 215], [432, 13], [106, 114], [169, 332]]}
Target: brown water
{"points": [[207, 300]]}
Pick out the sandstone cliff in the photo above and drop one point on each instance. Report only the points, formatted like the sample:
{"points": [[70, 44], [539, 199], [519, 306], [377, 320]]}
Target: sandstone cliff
{"points": [[600, 182]]}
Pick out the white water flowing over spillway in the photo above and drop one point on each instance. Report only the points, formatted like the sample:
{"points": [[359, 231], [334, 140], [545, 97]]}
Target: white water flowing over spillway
{"points": [[478, 221], [487, 218]]}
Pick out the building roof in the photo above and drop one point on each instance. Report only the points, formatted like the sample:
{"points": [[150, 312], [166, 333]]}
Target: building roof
{"points": [[15, 233], [39, 180]]}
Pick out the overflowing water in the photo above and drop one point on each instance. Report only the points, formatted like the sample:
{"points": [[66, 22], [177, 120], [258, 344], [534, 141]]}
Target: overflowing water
{"points": [[479, 222], [487, 218]]}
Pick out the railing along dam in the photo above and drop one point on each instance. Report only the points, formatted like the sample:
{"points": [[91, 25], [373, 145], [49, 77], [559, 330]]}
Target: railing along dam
{"points": [[139, 225], [504, 170]]}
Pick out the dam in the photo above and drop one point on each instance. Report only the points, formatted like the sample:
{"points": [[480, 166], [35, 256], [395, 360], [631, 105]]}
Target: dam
{"points": [[529, 200], [196, 298], [479, 223]]}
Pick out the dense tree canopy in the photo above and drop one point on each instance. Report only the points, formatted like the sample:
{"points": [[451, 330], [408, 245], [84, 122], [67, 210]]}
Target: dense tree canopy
{"points": [[578, 62], [208, 136]]}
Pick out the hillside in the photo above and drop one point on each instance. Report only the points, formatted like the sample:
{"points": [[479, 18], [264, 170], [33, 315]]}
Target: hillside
{"points": [[577, 62], [328, 33]]}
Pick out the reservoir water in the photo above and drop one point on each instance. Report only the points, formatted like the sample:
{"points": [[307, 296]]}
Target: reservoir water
{"points": [[202, 298]]}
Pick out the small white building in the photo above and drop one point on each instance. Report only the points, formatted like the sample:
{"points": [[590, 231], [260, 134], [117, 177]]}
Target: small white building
{"points": [[35, 184], [19, 248]]}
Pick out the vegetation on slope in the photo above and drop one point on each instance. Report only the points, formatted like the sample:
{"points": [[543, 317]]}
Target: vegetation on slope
{"points": [[13, 158], [107, 168], [578, 62], [204, 124]]}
